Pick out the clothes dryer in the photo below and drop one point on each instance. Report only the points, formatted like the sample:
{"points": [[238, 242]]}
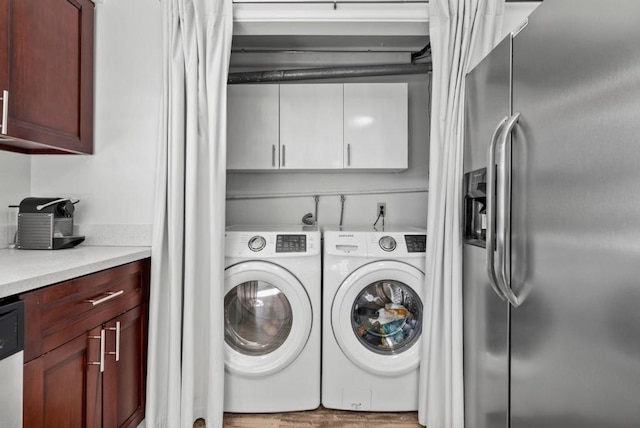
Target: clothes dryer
{"points": [[373, 293], [272, 318]]}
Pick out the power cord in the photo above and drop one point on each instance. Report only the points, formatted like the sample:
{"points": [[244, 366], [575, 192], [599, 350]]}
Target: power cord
{"points": [[380, 214]]}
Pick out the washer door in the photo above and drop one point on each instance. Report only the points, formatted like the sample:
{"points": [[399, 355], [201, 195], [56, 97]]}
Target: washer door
{"points": [[376, 317], [267, 316]]}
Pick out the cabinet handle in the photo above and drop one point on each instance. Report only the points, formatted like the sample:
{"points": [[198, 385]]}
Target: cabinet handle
{"points": [[101, 362], [5, 111], [348, 154], [283, 155], [273, 155], [117, 330], [110, 295]]}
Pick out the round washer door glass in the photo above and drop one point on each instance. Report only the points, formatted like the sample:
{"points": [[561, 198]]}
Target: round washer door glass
{"points": [[268, 318], [258, 318], [387, 317]]}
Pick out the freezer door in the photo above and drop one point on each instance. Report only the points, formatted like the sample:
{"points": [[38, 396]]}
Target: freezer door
{"points": [[485, 314], [575, 338]]}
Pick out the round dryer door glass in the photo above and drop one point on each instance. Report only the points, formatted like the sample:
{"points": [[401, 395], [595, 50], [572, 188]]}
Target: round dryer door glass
{"points": [[387, 317], [258, 318]]}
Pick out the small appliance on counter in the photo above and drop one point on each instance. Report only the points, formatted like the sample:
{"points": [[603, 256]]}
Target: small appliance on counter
{"points": [[46, 224]]}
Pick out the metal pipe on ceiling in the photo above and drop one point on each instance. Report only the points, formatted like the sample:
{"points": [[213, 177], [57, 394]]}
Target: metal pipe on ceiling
{"points": [[328, 73]]}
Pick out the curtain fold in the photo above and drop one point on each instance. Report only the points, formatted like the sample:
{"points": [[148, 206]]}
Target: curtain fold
{"points": [[185, 372], [461, 33]]}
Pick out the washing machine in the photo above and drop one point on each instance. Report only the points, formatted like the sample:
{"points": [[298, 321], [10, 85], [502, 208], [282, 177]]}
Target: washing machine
{"points": [[373, 294], [272, 318]]}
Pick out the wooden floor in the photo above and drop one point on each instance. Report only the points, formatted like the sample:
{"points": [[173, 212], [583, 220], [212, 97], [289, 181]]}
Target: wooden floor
{"points": [[322, 417]]}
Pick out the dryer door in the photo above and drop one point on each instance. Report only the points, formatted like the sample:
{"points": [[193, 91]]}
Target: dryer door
{"points": [[377, 315], [267, 316]]}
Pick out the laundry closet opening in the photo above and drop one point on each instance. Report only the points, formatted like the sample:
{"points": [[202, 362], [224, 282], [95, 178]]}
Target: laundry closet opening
{"points": [[297, 157]]}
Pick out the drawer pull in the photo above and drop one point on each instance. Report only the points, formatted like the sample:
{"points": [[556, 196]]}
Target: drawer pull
{"points": [[101, 362], [110, 295]]}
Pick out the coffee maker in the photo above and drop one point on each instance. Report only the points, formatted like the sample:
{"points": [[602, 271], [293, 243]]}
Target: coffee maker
{"points": [[46, 224]]}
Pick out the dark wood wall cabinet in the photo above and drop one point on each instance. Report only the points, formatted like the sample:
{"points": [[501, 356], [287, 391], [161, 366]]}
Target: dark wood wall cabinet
{"points": [[85, 350], [46, 76]]}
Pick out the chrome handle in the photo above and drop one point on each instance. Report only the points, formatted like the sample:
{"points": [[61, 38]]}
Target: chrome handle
{"points": [[117, 330], [101, 362], [5, 111], [503, 207], [43, 206], [348, 154], [110, 295], [283, 155], [273, 155], [490, 248]]}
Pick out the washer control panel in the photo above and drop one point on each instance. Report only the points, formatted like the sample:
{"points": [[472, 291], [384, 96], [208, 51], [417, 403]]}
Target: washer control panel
{"points": [[387, 243], [266, 243], [291, 243], [257, 243]]}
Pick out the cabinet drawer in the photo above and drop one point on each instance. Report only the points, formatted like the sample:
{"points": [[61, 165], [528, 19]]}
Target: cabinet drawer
{"points": [[60, 312]]}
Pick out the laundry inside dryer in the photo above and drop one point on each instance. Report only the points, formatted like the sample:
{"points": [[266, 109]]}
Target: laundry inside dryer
{"points": [[387, 317]]}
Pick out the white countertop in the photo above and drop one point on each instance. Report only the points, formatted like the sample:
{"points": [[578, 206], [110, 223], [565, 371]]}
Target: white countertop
{"points": [[26, 270]]}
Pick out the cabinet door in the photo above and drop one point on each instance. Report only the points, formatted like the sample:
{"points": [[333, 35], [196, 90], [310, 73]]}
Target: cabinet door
{"points": [[50, 66], [63, 388], [252, 127], [376, 125], [125, 374], [4, 46], [311, 126]]}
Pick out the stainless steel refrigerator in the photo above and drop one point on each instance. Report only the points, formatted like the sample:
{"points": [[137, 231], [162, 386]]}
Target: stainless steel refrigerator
{"points": [[552, 222]]}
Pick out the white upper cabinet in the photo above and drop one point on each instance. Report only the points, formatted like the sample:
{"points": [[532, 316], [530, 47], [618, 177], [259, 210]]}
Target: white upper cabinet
{"points": [[320, 126], [253, 127], [311, 126], [376, 125]]}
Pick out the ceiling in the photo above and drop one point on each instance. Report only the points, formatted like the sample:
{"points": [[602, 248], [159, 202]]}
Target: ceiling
{"points": [[318, 33]]}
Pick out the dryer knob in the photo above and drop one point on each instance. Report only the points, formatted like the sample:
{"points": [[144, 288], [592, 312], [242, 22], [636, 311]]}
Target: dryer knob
{"points": [[257, 243], [387, 243]]}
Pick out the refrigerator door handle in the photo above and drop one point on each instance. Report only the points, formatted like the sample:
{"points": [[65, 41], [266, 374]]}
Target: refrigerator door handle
{"points": [[503, 212], [490, 248]]}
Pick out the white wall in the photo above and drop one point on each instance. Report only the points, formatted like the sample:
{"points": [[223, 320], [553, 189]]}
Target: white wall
{"points": [[14, 186], [115, 184], [402, 208]]}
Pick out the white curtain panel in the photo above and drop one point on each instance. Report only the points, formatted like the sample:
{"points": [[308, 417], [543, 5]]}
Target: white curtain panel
{"points": [[461, 32], [186, 345]]}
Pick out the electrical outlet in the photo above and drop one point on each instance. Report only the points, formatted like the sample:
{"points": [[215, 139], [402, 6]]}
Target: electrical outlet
{"points": [[381, 209]]}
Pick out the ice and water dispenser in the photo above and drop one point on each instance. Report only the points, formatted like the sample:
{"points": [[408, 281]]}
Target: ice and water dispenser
{"points": [[475, 207]]}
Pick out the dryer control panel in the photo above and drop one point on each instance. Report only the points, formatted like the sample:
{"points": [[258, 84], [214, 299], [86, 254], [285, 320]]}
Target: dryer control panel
{"points": [[411, 242], [416, 243]]}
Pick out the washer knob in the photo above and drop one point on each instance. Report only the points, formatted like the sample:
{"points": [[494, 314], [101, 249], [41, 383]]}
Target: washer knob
{"points": [[257, 243], [387, 243]]}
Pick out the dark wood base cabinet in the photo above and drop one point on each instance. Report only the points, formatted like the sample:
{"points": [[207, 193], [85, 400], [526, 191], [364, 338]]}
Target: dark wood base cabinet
{"points": [[85, 352]]}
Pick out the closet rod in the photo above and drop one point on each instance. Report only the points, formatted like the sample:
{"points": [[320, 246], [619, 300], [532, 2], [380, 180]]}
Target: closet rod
{"points": [[334, 193]]}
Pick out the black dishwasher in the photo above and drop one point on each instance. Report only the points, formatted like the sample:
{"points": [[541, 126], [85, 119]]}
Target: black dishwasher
{"points": [[11, 362]]}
